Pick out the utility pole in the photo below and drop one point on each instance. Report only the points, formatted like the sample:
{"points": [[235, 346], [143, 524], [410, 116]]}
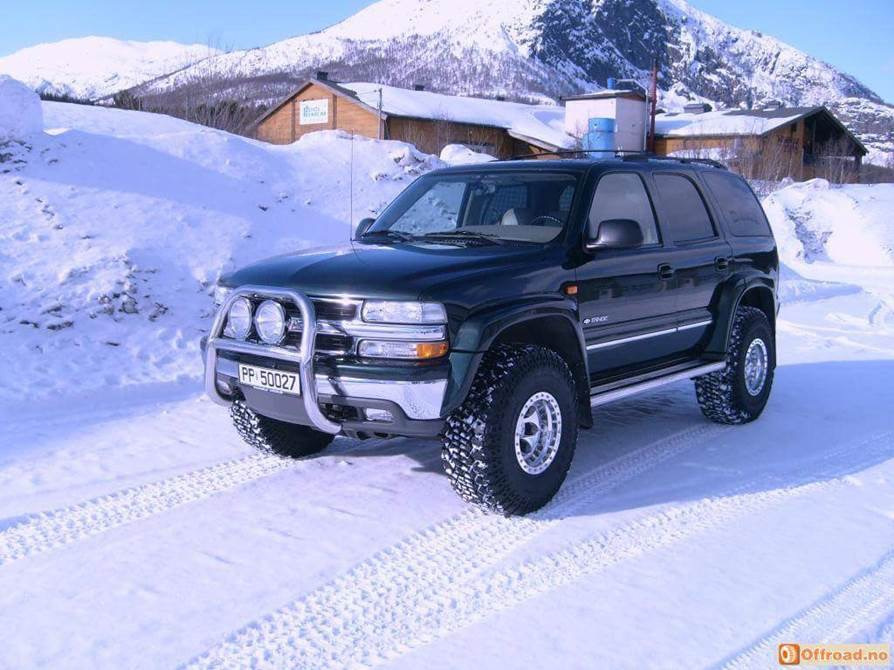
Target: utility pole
{"points": [[653, 105], [381, 121]]}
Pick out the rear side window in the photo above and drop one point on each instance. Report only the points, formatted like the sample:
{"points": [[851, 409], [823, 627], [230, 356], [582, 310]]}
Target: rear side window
{"points": [[742, 210], [622, 196], [682, 209]]}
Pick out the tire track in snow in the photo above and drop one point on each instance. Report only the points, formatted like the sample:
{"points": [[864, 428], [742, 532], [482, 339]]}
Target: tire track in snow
{"points": [[835, 618], [48, 530], [56, 528], [364, 618], [387, 590]]}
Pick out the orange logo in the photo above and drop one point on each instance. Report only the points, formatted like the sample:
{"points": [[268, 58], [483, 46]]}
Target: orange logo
{"points": [[789, 654]]}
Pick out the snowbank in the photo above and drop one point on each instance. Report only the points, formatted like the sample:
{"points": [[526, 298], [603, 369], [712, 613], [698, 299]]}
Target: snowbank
{"points": [[459, 154], [848, 225], [115, 226], [20, 111]]}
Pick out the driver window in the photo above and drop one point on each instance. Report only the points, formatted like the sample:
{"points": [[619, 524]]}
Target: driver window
{"points": [[622, 195]]}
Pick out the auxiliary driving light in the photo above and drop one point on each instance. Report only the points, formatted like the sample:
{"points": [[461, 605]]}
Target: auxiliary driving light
{"points": [[270, 322], [239, 319]]}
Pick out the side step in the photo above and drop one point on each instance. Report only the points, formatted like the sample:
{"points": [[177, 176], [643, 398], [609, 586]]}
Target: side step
{"points": [[656, 382]]}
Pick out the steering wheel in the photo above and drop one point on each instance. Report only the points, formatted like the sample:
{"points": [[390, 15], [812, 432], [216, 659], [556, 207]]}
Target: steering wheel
{"points": [[544, 217]]}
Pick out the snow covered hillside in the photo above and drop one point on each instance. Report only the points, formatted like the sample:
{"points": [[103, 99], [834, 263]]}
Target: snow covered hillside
{"points": [[116, 225], [95, 67], [137, 531]]}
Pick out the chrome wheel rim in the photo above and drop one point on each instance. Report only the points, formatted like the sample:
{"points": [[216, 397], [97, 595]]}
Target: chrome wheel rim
{"points": [[756, 366], [538, 432]]}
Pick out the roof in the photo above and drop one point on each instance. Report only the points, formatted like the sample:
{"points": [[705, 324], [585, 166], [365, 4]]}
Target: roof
{"points": [[609, 93], [542, 125], [738, 122]]}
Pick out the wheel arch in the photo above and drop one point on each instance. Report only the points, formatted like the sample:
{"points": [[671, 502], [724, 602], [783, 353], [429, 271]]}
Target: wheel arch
{"points": [[555, 329], [755, 291]]}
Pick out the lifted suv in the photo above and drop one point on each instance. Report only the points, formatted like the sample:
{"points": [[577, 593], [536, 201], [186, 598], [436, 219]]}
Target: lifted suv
{"points": [[495, 306]]}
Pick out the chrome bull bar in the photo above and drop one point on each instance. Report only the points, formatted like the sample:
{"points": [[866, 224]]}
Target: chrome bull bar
{"points": [[304, 357]]}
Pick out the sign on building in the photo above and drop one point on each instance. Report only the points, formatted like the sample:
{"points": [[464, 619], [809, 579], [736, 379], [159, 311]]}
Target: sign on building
{"points": [[313, 111]]}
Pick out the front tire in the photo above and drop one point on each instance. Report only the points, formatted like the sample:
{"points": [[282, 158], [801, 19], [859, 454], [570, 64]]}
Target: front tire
{"points": [[738, 393], [276, 437], [508, 447]]}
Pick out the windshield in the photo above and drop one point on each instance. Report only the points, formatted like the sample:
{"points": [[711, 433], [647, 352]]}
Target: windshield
{"points": [[528, 207]]}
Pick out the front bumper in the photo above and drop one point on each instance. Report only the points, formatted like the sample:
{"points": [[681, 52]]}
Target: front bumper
{"points": [[414, 404]]}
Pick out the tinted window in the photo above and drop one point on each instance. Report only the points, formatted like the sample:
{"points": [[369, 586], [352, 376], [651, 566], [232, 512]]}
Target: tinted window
{"points": [[742, 210], [682, 209], [623, 196]]}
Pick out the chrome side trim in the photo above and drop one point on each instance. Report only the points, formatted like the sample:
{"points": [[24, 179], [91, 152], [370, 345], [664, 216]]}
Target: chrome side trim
{"points": [[618, 394], [303, 357], [632, 338], [418, 400], [645, 336], [697, 324]]}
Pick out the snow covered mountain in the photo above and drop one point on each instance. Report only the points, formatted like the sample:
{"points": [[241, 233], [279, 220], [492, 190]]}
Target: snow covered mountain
{"points": [[94, 67], [535, 49]]}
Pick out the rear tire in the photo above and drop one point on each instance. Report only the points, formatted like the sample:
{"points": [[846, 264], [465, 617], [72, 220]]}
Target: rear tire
{"points": [[738, 393], [277, 437], [508, 447]]}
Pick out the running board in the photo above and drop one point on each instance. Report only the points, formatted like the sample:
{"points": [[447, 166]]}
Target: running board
{"points": [[633, 389]]}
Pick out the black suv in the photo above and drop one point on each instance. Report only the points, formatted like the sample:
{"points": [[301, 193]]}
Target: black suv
{"points": [[495, 305]]}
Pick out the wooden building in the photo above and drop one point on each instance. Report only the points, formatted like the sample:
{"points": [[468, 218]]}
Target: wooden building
{"points": [[428, 120], [797, 142]]}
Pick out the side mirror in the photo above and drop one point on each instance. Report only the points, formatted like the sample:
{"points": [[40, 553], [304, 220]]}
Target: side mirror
{"points": [[616, 234], [363, 226]]}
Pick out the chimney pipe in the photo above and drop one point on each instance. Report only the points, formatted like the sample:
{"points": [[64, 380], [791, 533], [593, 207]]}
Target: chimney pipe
{"points": [[653, 105]]}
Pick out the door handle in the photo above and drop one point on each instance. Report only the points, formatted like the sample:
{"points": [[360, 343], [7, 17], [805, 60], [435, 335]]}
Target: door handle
{"points": [[721, 263], [665, 271]]}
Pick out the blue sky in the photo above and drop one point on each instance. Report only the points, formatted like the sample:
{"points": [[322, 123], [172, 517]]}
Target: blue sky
{"points": [[856, 36]]}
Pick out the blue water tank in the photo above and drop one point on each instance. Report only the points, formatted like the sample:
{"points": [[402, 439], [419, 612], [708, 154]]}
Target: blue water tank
{"points": [[600, 135], [610, 84]]}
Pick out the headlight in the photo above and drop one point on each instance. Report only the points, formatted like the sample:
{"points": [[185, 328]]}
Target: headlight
{"points": [[385, 311], [239, 319], [220, 294], [405, 350], [270, 322]]}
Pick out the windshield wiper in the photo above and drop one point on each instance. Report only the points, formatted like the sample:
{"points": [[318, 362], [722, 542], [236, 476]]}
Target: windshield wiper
{"points": [[390, 234], [470, 234]]}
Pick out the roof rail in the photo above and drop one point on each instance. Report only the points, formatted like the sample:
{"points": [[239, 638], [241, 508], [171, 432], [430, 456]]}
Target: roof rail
{"points": [[623, 154], [677, 159]]}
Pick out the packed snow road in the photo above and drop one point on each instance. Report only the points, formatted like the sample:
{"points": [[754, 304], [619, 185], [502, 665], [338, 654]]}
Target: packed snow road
{"points": [[137, 531], [142, 534]]}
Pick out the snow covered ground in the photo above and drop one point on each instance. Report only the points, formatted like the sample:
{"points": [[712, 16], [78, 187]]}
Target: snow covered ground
{"points": [[137, 531]]}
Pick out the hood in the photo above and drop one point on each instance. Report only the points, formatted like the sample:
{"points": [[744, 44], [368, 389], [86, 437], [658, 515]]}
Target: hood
{"points": [[402, 271]]}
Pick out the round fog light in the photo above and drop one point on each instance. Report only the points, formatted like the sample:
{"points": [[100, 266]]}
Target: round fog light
{"points": [[270, 322], [239, 319]]}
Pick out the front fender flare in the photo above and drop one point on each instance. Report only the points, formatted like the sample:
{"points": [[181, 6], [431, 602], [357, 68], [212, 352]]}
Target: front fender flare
{"points": [[478, 333]]}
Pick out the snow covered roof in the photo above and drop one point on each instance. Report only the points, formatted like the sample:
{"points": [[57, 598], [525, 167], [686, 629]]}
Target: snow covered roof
{"points": [[728, 122], [542, 125], [739, 122], [609, 93]]}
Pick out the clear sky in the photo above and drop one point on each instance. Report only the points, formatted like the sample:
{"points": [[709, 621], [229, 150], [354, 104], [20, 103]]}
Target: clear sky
{"points": [[856, 36]]}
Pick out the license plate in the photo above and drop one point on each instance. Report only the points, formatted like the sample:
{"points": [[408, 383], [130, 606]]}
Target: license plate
{"points": [[277, 381]]}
